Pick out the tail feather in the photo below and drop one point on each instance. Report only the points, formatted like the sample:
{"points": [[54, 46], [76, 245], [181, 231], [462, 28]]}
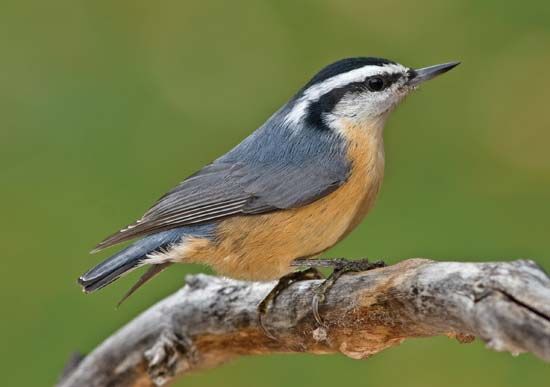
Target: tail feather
{"points": [[126, 260]]}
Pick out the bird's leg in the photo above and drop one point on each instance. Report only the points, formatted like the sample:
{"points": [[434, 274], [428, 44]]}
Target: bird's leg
{"points": [[340, 266], [284, 282]]}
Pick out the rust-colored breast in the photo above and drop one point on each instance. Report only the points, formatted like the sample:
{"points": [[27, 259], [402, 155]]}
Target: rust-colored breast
{"points": [[261, 247]]}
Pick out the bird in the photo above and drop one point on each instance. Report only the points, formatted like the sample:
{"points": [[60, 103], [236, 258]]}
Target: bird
{"points": [[286, 194]]}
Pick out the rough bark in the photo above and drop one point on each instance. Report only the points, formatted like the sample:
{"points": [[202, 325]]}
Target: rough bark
{"points": [[212, 320]]}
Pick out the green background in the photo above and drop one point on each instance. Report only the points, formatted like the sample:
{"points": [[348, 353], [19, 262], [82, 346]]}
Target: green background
{"points": [[104, 105]]}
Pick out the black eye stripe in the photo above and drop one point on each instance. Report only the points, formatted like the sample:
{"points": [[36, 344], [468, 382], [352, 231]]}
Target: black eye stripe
{"points": [[389, 78], [329, 100]]}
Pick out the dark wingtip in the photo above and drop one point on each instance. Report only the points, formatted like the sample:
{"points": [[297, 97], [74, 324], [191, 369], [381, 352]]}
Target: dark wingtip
{"points": [[107, 242], [96, 249], [113, 239]]}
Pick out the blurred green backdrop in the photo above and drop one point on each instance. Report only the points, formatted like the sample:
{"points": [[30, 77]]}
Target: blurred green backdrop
{"points": [[105, 105]]}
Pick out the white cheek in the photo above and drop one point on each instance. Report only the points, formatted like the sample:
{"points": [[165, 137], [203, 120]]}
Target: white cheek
{"points": [[361, 107], [367, 110]]}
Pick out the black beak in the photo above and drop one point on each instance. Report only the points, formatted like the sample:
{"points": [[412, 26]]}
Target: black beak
{"points": [[425, 74]]}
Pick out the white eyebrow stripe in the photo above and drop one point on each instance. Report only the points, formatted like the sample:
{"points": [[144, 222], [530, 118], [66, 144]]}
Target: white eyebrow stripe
{"points": [[315, 92]]}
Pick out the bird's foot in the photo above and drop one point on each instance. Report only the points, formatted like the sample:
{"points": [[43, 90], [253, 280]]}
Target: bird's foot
{"points": [[284, 282], [340, 267]]}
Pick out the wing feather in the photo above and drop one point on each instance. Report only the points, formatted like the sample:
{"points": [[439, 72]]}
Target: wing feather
{"points": [[279, 166], [227, 189]]}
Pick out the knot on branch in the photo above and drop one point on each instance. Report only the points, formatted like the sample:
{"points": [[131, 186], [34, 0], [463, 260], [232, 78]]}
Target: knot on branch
{"points": [[171, 354]]}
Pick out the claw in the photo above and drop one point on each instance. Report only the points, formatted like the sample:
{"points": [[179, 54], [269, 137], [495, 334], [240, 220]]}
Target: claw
{"points": [[284, 282], [262, 311], [317, 298], [264, 327], [341, 266]]}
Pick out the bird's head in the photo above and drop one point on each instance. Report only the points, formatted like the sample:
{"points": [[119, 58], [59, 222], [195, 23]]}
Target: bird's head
{"points": [[357, 91]]}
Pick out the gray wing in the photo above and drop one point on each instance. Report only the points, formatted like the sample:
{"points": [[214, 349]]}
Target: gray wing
{"points": [[224, 189]]}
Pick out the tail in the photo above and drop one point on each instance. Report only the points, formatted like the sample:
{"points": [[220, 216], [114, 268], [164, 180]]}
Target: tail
{"points": [[127, 260]]}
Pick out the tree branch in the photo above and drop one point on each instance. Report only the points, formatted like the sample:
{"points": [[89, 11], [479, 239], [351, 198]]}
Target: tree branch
{"points": [[212, 320]]}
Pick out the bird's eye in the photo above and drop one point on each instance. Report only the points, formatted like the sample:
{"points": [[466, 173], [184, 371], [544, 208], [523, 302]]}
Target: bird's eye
{"points": [[375, 84]]}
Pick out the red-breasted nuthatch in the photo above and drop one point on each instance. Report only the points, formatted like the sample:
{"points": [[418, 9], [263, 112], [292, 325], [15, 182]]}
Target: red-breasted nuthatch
{"points": [[290, 191]]}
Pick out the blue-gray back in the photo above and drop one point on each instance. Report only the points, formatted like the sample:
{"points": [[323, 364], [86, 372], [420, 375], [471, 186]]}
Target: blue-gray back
{"points": [[277, 167]]}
